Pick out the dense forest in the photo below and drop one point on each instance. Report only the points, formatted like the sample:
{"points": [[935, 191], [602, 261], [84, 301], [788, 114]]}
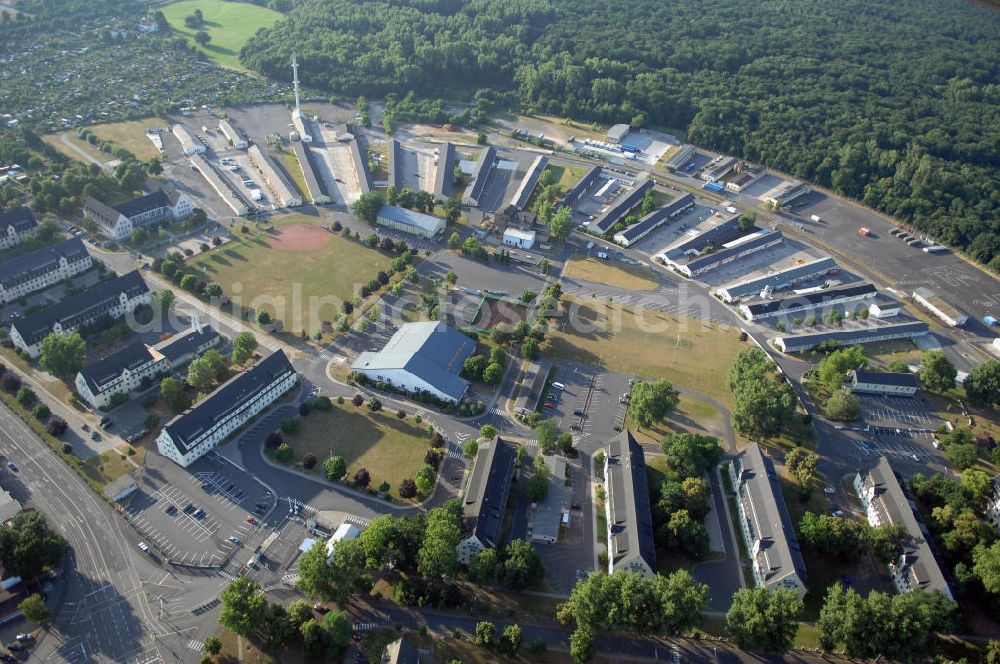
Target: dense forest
{"points": [[896, 104]]}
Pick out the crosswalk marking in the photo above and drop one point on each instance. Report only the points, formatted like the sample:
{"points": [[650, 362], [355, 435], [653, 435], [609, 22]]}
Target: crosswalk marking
{"points": [[197, 646]]}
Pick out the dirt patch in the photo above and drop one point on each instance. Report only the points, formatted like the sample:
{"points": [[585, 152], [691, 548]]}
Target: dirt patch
{"points": [[493, 312], [299, 237]]}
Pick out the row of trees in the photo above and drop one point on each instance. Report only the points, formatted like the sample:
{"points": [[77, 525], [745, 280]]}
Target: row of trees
{"points": [[681, 502]]}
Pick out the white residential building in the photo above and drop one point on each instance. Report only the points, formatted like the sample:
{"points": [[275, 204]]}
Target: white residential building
{"points": [[40, 269], [112, 299], [16, 226], [191, 434], [764, 523], [118, 221]]}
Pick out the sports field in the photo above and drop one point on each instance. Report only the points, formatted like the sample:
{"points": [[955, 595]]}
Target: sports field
{"points": [[229, 24], [299, 273], [648, 343]]}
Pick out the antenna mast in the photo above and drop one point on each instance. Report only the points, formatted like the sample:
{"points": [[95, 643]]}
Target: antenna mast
{"points": [[295, 80]]}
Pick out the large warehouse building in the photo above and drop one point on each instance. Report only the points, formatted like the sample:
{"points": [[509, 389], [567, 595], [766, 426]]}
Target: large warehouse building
{"points": [[232, 135], [408, 221], [281, 189], [189, 143], [866, 335], [776, 280]]}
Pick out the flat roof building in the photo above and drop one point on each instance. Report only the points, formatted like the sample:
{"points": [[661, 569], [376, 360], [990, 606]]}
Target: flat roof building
{"points": [[16, 226], [788, 193], [723, 232], [360, 166], [872, 334], [630, 520], [795, 304], [681, 157], [31, 272], [933, 303], [444, 172], [113, 298], [778, 280], [480, 173], [883, 382], [200, 429], [764, 523], [885, 502], [616, 211], [717, 168], [410, 221], [731, 251], [395, 164], [654, 220], [516, 237], [618, 132], [485, 500], [421, 357]]}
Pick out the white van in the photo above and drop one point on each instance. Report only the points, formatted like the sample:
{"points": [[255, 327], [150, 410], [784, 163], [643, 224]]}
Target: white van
{"points": [[590, 245], [602, 255], [559, 386], [144, 547]]}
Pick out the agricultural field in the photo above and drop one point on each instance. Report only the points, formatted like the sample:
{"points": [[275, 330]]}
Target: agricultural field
{"points": [[683, 350], [298, 272], [633, 277], [391, 449], [229, 24]]}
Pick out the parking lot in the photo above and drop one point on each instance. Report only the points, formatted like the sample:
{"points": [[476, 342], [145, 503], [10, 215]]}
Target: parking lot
{"points": [[200, 515], [896, 427], [896, 412], [590, 405]]}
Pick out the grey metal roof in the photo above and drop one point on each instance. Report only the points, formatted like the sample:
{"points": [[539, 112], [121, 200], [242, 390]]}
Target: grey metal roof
{"points": [[891, 504], [103, 371], [424, 222], [760, 494], [762, 239], [580, 187], [9, 506], [361, 166], [186, 427], [136, 206], [481, 172], [485, 499], [899, 379], [631, 522], [618, 132], [788, 275], [313, 184], [41, 262], [548, 515], [719, 234], [80, 308], [430, 350], [611, 216], [21, 218], [864, 335], [523, 193], [809, 300], [652, 220], [444, 173], [400, 651], [184, 343], [395, 163]]}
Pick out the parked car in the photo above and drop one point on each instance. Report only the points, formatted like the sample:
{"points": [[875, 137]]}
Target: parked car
{"points": [[578, 412], [829, 489], [233, 540], [25, 637], [12, 466], [251, 520]]}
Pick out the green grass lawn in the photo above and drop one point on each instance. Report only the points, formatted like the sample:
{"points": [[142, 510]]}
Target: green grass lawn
{"points": [[130, 135], [229, 24], [301, 288], [391, 449], [648, 343]]}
